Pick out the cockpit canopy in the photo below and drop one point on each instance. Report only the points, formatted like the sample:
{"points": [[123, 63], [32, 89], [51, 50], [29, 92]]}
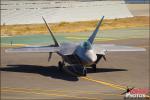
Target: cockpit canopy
{"points": [[87, 45]]}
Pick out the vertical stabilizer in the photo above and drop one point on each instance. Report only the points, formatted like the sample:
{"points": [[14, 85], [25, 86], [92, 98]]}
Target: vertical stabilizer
{"points": [[55, 41], [92, 37]]}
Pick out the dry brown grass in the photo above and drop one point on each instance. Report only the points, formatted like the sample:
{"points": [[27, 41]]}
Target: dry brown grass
{"points": [[81, 26]]}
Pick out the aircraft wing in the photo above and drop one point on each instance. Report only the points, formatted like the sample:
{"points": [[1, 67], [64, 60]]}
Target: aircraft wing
{"points": [[34, 49], [101, 48]]}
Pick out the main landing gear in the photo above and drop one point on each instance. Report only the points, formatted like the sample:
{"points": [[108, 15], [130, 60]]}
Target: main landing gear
{"points": [[85, 70], [61, 65], [94, 67]]}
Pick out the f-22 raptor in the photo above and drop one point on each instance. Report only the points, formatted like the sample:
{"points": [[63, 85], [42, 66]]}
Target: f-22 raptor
{"points": [[83, 54]]}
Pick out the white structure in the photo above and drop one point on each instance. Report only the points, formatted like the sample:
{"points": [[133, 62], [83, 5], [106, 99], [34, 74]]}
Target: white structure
{"points": [[26, 12]]}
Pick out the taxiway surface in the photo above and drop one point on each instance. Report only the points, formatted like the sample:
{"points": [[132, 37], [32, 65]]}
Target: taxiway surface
{"points": [[31, 76]]}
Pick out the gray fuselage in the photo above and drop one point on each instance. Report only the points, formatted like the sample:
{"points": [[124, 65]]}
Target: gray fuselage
{"points": [[83, 53]]}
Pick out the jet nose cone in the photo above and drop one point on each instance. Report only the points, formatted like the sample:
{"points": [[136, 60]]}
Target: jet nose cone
{"points": [[91, 56], [93, 59]]}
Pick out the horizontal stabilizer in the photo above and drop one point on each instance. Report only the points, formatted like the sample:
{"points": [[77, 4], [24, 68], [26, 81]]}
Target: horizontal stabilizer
{"points": [[34, 49], [98, 48]]}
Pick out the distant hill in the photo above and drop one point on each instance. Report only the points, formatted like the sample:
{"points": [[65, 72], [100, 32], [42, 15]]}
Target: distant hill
{"points": [[70, 27]]}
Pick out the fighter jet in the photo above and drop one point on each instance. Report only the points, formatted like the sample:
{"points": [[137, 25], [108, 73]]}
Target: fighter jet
{"points": [[84, 54]]}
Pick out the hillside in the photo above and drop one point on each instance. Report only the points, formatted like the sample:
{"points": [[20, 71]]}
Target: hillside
{"points": [[82, 26]]}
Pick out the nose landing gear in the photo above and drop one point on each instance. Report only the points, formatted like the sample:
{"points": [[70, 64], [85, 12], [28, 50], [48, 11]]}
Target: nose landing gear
{"points": [[84, 71], [61, 64]]}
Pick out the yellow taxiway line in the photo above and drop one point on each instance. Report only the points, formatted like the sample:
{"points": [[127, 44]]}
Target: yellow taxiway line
{"points": [[144, 46], [60, 91], [97, 39], [109, 84], [43, 93], [102, 82], [14, 45], [105, 83]]}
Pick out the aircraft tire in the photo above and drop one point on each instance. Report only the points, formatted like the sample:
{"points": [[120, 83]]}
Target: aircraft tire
{"points": [[94, 67], [84, 72], [60, 65]]}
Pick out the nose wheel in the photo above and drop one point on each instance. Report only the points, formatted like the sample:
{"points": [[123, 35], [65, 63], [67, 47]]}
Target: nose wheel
{"points": [[84, 71]]}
